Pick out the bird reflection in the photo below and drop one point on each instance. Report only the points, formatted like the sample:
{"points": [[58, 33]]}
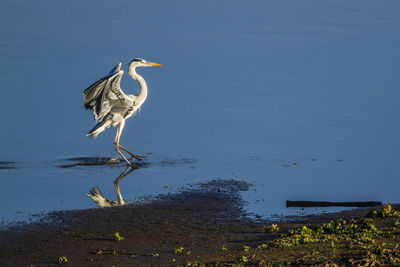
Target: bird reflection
{"points": [[96, 195]]}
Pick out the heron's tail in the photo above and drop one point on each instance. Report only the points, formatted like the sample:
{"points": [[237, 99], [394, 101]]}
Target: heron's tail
{"points": [[99, 128]]}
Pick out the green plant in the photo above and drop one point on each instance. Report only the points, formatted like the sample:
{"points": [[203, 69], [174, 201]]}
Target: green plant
{"points": [[62, 260], [273, 228], [243, 259], [118, 237], [179, 250], [262, 246]]}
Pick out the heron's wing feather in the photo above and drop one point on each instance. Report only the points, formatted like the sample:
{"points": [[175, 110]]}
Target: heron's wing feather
{"points": [[100, 96], [116, 68], [99, 199]]}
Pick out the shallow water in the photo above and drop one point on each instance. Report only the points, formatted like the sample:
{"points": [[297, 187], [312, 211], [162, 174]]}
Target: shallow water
{"points": [[298, 97]]}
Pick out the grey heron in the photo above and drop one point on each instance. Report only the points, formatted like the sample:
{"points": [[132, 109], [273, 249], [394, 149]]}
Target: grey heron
{"points": [[111, 106]]}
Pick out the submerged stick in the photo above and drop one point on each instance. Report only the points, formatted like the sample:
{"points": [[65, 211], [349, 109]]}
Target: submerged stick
{"points": [[308, 204]]}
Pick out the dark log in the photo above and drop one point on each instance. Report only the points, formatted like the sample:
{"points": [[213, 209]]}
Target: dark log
{"points": [[308, 204]]}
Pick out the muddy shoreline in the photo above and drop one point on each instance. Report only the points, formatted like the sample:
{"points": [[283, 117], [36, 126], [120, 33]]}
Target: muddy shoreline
{"points": [[206, 224]]}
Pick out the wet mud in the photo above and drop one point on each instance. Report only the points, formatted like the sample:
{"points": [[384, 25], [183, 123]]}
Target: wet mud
{"points": [[201, 219]]}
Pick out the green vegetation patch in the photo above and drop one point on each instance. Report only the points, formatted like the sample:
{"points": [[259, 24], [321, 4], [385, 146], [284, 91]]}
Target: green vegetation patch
{"points": [[358, 231], [386, 211]]}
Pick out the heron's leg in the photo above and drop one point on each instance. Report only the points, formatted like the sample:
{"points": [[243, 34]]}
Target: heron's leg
{"points": [[122, 155], [127, 171], [116, 141]]}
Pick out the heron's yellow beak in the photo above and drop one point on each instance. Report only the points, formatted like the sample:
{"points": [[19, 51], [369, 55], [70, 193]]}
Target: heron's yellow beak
{"points": [[154, 64]]}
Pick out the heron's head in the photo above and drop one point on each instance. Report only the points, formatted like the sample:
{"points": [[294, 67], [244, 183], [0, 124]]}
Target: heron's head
{"points": [[139, 62]]}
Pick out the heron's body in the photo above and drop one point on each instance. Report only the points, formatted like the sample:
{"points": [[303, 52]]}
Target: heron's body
{"points": [[111, 106]]}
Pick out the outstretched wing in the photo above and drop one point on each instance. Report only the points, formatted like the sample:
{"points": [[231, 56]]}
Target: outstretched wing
{"points": [[100, 95], [99, 199]]}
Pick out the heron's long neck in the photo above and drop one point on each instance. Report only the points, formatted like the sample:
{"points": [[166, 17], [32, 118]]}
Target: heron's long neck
{"points": [[141, 97]]}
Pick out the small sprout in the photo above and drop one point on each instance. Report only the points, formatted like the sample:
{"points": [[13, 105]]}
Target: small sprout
{"points": [[246, 248], [243, 259], [262, 246], [155, 255], [179, 250], [188, 253], [118, 237], [224, 248], [173, 260], [273, 228], [62, 260]]}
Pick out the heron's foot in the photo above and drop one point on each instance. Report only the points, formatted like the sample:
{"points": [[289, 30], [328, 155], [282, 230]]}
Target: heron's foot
{"points": [[138, 157]]}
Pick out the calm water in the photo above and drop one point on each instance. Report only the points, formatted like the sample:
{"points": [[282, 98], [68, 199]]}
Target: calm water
{"points": [[301, 98]]}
